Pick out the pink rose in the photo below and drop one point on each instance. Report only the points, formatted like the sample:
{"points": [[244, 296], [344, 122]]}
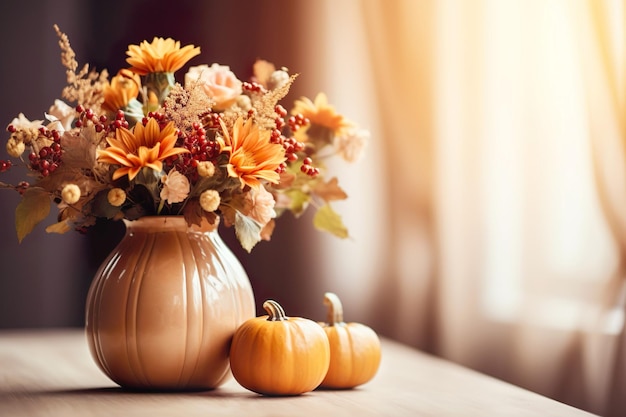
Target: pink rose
{"points": [[218, 82]]}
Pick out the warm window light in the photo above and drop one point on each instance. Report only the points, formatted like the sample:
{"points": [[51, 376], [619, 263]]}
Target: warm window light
{"points": [[536, 164]]}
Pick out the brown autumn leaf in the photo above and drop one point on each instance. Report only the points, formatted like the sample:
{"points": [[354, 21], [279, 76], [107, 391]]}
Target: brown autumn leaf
{"points": [[330, 190]]}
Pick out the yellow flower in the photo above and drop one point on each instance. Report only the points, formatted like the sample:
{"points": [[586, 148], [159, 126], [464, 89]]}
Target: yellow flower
{"points": [[123, 88], [162, 55], [321, 113], [252, 156], [142, 147]]}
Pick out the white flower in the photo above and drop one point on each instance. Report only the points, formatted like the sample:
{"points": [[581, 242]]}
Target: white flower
{"points": [[278, 79], [21, 122], [351, 145], [61, 113], [175, 187], [218, 81]]}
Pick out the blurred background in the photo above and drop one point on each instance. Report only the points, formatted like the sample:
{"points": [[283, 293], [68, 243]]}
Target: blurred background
{"points": [[487, 218]]}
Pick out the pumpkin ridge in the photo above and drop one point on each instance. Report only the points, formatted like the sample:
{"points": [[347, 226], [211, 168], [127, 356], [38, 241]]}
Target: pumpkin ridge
{"points": [[354, 372]]}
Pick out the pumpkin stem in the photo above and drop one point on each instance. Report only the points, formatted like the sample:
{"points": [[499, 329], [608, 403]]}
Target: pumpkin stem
{"points": [[335, 309], [274, 310]]}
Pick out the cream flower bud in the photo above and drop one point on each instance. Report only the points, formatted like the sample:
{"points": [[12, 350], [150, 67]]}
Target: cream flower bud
{"points": [[278, 79], [70, 194], [209, 200], [116, 197], [244, 103], [206, 169], [15, 147]]}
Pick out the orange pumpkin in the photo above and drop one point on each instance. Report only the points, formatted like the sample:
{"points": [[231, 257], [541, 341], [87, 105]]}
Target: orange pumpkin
{"points": [[354, 349], [279, 355]]}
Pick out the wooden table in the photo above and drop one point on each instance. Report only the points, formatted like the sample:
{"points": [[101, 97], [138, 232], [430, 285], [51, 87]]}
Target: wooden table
{"points": [[50, 373]]}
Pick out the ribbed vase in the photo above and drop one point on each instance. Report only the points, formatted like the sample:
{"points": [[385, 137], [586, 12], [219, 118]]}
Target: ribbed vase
{"points": [[162, 309]]}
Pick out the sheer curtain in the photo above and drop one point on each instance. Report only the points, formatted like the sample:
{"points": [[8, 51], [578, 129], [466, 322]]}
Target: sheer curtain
{"points": [[490, 213]]}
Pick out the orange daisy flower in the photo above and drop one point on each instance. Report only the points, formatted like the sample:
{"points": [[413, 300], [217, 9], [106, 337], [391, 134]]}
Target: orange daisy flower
{"points": [[252, 156], [321, 113], [123, 88], [162, 55], [144, 146]]}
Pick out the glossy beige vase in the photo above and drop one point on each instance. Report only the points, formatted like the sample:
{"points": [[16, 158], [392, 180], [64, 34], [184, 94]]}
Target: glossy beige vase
{"points": [[163, 307]]}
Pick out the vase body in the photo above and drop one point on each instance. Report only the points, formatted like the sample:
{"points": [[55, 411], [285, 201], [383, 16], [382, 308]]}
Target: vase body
{"points": [[163, 306]]}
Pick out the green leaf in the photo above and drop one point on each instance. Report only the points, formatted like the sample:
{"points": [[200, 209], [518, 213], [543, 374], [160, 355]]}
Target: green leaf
{"points": [[149, 178], [327, 220], [34, 207], [299, 201], [248, 231], [100, 206]]}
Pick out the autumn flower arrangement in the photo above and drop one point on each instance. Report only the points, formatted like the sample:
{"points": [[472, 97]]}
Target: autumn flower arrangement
{"points": [[214, 146]]}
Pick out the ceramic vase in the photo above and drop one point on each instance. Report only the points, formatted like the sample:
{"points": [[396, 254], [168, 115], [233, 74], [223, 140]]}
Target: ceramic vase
{"points": [[163, 306]]}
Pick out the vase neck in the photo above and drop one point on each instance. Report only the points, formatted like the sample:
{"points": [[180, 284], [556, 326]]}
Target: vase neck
{"points": [[165, 223]]}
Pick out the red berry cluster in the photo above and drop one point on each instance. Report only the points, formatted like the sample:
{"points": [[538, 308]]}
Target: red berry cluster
{"points": [[297, 121], [48, 159], [101, 123], [308, 168], [212, 121], [253, 87], [5, 165], [291, 145], [200, 149], [22, 186], [159, 117], [281, 113]]}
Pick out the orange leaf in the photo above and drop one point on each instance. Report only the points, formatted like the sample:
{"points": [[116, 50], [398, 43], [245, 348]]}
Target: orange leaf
{"points": [[330, 190]]}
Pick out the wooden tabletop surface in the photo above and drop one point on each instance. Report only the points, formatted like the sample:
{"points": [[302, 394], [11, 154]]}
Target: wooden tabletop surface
{"points": [[51, 373]]}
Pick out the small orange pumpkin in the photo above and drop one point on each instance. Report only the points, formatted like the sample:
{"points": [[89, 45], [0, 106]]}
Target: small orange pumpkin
{"points": [[279, 355], [355, 351]]}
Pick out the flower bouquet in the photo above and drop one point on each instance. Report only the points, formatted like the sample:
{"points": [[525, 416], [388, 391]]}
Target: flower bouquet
{"points": [[210, 146]]}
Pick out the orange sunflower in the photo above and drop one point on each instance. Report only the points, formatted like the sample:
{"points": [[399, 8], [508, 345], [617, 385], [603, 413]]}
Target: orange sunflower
{"points": [[162, 55], [252, 156], [144, 146], [321, 113], [123, 88]]}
